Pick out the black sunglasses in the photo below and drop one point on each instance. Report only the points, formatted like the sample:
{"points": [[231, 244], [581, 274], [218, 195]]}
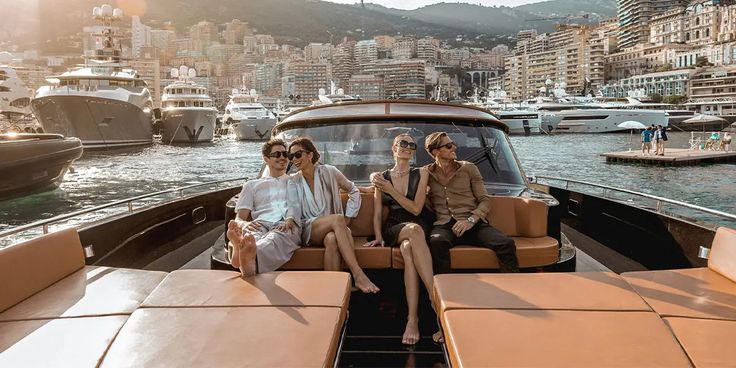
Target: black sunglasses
{"points": [[447, 145], [278, 154], [297, 154], [411, 145]]}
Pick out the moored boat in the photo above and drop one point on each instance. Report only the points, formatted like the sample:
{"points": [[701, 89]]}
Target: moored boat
{"points": [[187, 111]]}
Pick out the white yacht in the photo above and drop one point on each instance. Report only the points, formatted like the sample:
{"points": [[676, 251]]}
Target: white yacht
{"points": [[187, 112], [104, 103], [582, 118], [15, 102], [248, 118]]}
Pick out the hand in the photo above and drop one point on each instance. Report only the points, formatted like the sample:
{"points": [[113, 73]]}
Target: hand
{"points": [[347, 220], [461, 227], [382, 184], [287, 226], [253, 226], [374, 243]]}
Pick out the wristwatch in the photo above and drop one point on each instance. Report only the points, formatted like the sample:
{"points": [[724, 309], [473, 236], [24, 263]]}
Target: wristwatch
{"points": [[471, 220]]}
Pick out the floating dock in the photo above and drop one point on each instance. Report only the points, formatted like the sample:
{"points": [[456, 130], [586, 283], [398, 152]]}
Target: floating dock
{"points": [[672, 157]]}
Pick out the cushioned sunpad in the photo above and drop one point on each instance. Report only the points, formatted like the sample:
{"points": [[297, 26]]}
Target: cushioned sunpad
{"points": [[579, 290], [91, 291], [708, 342], [695, 292], [228, 337], [65, 342], [204, 288], [546, 338]]}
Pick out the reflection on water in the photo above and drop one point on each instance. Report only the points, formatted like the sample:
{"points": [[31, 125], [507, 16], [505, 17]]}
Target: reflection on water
{"points": [[102, 178]]}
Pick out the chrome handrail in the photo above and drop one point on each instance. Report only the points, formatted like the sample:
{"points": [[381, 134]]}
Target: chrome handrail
{"points": [[659, 200], [129, 201]]}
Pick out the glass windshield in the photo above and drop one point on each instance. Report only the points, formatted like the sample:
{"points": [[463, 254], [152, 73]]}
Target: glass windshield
{"points": [[359, 149]]}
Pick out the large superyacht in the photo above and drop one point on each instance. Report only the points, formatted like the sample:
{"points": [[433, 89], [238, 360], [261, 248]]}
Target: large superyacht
{"points": [[187, 110], [104, 103], [15, 99], [249, 119]]}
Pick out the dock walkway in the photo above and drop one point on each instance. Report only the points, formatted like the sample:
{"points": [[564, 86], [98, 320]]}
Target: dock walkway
{"points": [[672, 157]]}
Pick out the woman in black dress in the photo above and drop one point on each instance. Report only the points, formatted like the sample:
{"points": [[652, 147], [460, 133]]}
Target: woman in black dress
{"points": [[403, 190]]}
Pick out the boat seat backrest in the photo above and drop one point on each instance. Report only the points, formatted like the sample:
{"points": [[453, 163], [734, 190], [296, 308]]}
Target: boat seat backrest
{"points": [[516, 216], [363, 224], [722, 257], [31, 266]]}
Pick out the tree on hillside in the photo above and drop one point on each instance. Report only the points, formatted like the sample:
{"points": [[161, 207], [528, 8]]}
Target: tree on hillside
{"points": [[702, 61], [655, 97], [675, 99]]}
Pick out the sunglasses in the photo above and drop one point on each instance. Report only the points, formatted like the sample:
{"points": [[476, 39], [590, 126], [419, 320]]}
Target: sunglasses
{"points": [[447, 145], [278, 154], [406, 144], [297, 154]]}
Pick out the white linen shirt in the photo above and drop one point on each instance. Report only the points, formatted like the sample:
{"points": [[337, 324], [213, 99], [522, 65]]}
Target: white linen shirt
{"points": [[266, 198]]}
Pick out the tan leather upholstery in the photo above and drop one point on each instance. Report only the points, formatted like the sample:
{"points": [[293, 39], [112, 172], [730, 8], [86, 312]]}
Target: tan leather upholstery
{"points": [[65, 342], [570, 291], [531, 252], [722, 257], [362, 225], [312, 258], [31, 266], [91, 291], [696, 292], [708, 343], [204, 288], [228, 337], [553, 338], [517, 216]]}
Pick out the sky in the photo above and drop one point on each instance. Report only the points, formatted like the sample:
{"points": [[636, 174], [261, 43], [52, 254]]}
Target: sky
{"points": [[413, 4]]}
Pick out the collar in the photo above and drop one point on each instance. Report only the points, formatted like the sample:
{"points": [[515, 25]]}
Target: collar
{"points": [[432, 168]]}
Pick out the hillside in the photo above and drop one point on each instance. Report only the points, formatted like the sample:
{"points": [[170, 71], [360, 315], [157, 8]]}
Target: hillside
{"points": [[297, 21]]}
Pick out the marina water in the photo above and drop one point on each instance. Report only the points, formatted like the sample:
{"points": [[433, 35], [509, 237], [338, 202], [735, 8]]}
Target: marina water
{"points": [[101, 178]]}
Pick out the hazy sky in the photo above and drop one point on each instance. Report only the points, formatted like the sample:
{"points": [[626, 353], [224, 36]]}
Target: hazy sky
{"points": [[413, 4]]}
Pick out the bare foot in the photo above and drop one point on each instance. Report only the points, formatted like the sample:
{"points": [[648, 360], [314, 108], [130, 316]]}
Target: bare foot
{"points": [[438, 338], [365, 285], [233, 230], [411, 333], [244, 249]]}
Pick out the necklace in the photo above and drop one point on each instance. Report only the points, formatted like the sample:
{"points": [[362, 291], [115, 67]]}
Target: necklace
{"points": [[400, 173]]}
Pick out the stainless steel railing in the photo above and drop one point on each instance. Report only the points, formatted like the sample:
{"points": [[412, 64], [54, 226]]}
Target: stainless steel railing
{"points": [[660, 201], [44, 224]]}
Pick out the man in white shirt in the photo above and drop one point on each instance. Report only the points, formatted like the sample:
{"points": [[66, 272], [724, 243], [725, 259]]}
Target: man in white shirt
{"points": [[262, 236]]}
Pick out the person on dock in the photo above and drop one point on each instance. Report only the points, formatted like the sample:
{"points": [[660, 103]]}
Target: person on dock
{"points": [[646, 141], [263, 235], [661, 138], [726, 142], [461, 203]]}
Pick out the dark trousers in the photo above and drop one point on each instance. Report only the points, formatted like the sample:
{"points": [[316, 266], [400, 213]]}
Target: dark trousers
{"points": [[441, 239]]}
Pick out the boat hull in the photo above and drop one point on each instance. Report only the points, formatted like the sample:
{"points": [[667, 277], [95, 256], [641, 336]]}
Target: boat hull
{"points": [[188, 125], [521, 123], [603, 120], [100, 123], [253, 129], [35, 162]]}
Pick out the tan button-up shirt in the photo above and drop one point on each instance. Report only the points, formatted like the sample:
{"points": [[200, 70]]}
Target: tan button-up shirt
{"points": [[460, 195]]}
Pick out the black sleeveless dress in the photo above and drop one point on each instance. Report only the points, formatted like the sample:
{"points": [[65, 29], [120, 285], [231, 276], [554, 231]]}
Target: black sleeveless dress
{"points": [[398, 217]]}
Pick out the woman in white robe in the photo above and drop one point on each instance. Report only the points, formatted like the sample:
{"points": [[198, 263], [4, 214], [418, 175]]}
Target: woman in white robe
{"points": [[316, 190]]}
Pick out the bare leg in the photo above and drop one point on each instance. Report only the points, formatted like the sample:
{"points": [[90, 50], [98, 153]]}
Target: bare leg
{"points": [[411, 283], [336, 224], [244, 249], [332, 259]]}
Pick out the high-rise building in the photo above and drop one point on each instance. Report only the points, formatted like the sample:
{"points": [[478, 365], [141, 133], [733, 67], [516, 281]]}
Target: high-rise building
{"points": [[634, 17], [367, 87], [235, 31], [268, 79], [343, 62], [309, 78], [316, 52], [427, 49], [404, 48], [366, 54], [402, 78], [141, 36], [150, 71]]}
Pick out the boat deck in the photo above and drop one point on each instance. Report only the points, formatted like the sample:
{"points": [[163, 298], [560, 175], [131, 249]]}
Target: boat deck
{"points": [[672, 157]]}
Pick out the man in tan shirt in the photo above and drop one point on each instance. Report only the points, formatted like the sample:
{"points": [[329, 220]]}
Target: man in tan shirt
{"points": [[461, 203]]}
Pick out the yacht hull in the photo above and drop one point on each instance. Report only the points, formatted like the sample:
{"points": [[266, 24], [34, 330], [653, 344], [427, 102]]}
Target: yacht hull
{"points": [[100, 123], [521, 123], [188, 125], [253, 129], [34, 162], [602, 120]]}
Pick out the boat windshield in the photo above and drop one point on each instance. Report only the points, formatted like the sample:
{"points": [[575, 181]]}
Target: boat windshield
{"points": [[359, 149]]}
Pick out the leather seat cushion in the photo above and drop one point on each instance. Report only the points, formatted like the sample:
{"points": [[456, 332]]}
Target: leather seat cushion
{"points": [[228, 337], [362, 225], [553, 338], [205, 288], [517, 216], [91, 291], [312, 258], [563, 291], [65, 342], [531, 252], [723, 253], [29, 267], [694, 292], [708, 342]]}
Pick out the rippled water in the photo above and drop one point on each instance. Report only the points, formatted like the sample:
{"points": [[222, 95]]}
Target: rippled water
{"points": [[102, 178]]}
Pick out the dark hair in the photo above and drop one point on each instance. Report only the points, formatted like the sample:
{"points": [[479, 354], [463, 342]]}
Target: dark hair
{"points": [[433, 141], [307, 145], [268, 146]]}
